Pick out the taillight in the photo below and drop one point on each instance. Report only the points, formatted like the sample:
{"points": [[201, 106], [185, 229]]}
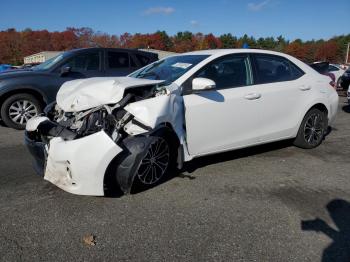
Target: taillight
{"points": [[332, 84]]}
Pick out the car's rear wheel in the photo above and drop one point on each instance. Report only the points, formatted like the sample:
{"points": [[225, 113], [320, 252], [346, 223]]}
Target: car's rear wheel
{"points": [[312, 129], [18, 109]]}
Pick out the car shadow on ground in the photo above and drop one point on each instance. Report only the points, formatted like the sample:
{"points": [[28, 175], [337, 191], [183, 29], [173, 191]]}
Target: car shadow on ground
{"points": [[191, 166], [200, 162], [346, 108], [2, 124], [339, 249]]}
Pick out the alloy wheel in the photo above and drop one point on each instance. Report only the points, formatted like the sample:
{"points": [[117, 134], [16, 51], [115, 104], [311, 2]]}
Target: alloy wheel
{"points": [[20, 111], [314, 129], [155, 163]]}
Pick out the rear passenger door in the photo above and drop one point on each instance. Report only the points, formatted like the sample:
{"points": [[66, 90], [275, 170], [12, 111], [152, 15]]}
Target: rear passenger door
{"points": [[283, 95], [119, 63]]}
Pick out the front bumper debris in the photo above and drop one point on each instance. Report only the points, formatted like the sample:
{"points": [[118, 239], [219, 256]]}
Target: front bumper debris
{"points": [[38, 152], [76, 166]]}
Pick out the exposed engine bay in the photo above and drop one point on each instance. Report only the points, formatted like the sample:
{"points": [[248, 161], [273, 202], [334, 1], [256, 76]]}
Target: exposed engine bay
{"points": [[110, 118], [78, 137]]}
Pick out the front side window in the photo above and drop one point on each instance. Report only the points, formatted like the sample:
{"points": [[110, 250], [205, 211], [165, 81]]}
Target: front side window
{"points": [[85, 62], [169, 69], [227, 72], [118, 60], [272, 68], [332, 68]]}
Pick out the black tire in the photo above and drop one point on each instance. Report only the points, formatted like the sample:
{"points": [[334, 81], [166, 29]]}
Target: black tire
{"points": [[338, 86], [312, 129], [126, 169], [163, 165], [31, 106]]}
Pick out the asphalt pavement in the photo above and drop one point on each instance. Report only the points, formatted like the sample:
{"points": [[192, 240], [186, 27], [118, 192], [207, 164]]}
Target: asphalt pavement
{"points": [[269, 203]]}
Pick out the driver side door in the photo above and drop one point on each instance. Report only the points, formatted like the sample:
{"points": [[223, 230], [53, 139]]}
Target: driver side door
{"points": [[226, 117]]}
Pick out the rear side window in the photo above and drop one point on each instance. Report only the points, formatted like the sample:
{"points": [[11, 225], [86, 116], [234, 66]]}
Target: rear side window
{"points": [[118, 60], [85, 62], [144, 60], [272, 68]]}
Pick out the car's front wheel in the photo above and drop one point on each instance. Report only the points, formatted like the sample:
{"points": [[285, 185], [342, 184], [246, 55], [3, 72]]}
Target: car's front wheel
{"points": [[155, 163], [312, 129], [145, 161], [17, 109]]}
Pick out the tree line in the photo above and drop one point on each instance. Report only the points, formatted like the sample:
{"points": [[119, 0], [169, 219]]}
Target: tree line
{"points": [[14, 45]]}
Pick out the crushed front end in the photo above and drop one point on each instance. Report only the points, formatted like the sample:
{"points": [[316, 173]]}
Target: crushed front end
{"points": [[74, 148]]}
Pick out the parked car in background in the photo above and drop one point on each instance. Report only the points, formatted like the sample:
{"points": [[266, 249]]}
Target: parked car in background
{"points": [[5, 67], [337, 71], [25, 92], [345, 80], [29, 65], [323, 68], [189, 105]]}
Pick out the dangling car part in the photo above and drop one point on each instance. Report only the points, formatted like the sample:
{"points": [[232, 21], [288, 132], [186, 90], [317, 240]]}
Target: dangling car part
{"points": [[134, 130]]}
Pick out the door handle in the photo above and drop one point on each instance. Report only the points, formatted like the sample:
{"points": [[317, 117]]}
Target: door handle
{"points": [[252, 96], [304, 88]]}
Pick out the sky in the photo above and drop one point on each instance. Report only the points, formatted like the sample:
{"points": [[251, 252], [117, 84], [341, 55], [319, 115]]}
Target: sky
{"points": [[304, 19]]}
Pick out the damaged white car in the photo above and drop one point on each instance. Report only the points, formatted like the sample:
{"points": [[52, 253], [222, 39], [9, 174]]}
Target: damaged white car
{"points": [[132, 130]]}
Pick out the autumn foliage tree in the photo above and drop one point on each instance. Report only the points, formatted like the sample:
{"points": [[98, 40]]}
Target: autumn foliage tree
{"points": [[14, 45]]}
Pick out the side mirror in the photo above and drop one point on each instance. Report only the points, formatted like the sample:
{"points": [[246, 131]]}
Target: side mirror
{"points": [[65, 70], [201, 83]]}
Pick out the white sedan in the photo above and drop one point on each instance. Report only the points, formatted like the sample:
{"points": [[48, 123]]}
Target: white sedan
{"points": [[131, 131]]}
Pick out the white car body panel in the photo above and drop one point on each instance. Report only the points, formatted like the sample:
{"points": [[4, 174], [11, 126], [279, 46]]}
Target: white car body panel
{"points": [[83, 94], [214, 120], [34, 122], [78, 166]]}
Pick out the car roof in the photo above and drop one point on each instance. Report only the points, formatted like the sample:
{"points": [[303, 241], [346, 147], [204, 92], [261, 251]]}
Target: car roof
{"points": [[233, 51], [111, 49]]}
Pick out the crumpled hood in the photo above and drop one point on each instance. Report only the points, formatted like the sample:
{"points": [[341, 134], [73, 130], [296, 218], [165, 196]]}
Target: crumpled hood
{"points": [[83, 94]]}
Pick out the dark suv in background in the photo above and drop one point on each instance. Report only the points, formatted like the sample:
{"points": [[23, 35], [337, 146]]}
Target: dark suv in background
{"points": [[25, 92]]}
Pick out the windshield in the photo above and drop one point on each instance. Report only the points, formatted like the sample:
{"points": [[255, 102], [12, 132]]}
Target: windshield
{"points": [[169, 69], [49, 63]]}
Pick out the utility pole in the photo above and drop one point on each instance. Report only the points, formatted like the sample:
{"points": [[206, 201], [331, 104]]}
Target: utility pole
{"points": [[347, 54]]}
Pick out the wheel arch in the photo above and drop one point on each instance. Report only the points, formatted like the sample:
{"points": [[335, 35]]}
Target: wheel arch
{"points": [[317, 104], [23, 90], [112, 183], [321, 106]]}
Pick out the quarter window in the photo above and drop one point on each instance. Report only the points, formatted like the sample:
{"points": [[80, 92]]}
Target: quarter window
{"points": [[332, 68], [229, 71], [271, 68], [118, 60]]}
